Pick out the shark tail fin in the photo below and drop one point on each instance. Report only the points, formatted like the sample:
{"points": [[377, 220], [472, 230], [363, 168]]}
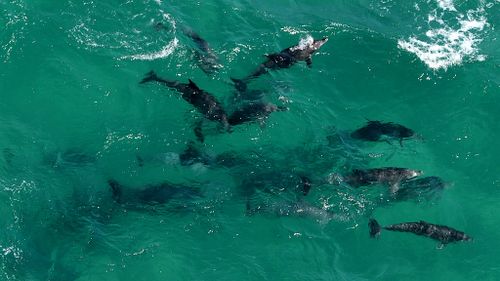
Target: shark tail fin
{"points": [[140, 160], [306, 185], [116, 190], [239, 84], [375, 228], [150, 76], [198, 132], [249, 210], [282, 108]]}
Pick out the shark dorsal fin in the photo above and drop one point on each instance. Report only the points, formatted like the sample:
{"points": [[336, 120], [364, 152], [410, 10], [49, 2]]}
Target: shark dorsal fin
{"points": [[309, 61], [369, 120], [193, 85], [271, 56], [373, 122]]}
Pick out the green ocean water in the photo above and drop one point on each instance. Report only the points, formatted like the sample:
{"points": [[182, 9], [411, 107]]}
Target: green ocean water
{"points": [[73, 116]]}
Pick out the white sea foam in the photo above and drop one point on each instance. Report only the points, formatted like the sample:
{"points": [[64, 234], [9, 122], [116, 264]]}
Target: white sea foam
{"points": [[292, 30], [97, 32], [451, 37], [165, 52], [303, 43], [169, 18], [14, 28], [446, 5]]}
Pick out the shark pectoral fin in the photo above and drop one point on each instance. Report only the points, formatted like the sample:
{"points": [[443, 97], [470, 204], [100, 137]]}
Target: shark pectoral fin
{"points": [[262, 123], [271, 56], [273, 61], [140, 160], [149, 77], [197, 56], [282, 108], [401, 142], [440, 246], [394, 188], [116, 190], [240, 84], [306, 185], [198, 131], [374, 227], [309, 62]]}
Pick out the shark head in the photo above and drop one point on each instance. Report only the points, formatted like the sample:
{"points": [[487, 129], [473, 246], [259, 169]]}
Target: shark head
{"points": [[309, 45], [467, 238], [318, 43], [410, 174]]}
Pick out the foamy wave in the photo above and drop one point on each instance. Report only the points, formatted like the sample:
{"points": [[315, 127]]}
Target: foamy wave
{"points": [[165, 52], [450, 42], [303, 43], [14, 28], [293, 30], [169, 18], [98, 29], [446, 5]]}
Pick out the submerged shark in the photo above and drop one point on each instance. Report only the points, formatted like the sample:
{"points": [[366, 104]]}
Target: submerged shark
{"points": [[250, 112], [207, 59], [152, 194], [389, 175], [441, 233], [205, 56], [203, 101], [380, 131], [286, 208], [425, 188]]}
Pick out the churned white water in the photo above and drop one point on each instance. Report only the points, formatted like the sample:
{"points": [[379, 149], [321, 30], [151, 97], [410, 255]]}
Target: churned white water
{"points": [[451, 37]]}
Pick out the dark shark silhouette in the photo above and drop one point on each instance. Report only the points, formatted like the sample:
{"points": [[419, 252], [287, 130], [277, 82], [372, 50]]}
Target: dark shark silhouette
{"points": [[152, 194], [388, 175], [425, 188], [284, 59], [376, 130], [211, 108], [441, 233], [206, 57], [253, 112], [203, 101]]}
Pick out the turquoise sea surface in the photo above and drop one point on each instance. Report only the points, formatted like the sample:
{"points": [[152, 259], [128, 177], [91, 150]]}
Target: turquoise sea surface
{"points": [[73, 118]]}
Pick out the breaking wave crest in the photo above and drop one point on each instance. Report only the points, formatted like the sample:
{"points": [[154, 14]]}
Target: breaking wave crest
{"points": [[451, 37], [151, 37], [14, 28], [165, 52], [303, 43]]}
